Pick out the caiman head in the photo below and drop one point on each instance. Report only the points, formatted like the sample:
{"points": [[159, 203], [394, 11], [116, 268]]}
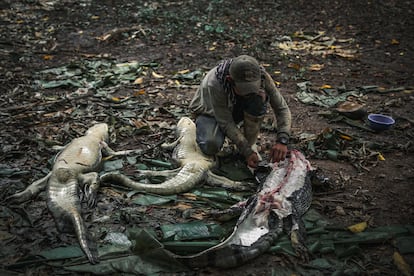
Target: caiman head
{"points": [[99, 131], [184, 124]]}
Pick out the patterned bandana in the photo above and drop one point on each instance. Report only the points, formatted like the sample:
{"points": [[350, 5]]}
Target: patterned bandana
{"points": [[221, 74]]}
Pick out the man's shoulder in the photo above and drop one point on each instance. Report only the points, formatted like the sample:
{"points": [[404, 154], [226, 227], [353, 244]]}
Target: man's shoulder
{"points": [[210, 79]]}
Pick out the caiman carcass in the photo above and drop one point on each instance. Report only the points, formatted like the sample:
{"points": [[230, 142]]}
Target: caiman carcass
{"points": [[279, 204], [194, 167], [74, 169]]}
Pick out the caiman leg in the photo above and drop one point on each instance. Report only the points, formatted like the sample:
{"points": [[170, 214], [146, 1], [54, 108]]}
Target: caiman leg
{"points": [[89, 183], [172, 145], [110, 152], [32, 190]]}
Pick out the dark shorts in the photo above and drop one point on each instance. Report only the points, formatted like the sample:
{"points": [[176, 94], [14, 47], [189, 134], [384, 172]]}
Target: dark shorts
{"points": [[210, 137]]}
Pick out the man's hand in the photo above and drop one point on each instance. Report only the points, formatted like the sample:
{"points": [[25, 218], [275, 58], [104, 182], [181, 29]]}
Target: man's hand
{"points": [[278, 152], [252, 160]]}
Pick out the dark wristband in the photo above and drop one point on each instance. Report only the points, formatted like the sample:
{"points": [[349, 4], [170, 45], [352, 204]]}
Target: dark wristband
{"points": [[283, 140]]}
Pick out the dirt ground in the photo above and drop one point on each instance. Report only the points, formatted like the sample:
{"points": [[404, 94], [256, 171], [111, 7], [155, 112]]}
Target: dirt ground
{"points": [[372, 44]]}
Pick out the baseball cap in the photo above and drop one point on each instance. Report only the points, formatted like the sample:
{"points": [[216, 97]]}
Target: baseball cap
{"points": [[245, 71]]}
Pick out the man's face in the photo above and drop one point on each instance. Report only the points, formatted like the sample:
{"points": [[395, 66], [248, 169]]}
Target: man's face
{"points": [[236, 89], [238, 92]]}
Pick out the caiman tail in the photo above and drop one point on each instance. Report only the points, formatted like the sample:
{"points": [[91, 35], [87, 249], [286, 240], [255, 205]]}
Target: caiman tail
{"points": [[64, 204], [188, 177]]}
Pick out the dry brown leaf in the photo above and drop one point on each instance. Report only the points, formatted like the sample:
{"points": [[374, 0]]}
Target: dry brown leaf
{"points": [[190, 196], [316, 67], [182, 206], [139, 92], [138, 123], [199, 216], [326, 86], [185, 71], [157, 76], [139, 80], [403, 267]]}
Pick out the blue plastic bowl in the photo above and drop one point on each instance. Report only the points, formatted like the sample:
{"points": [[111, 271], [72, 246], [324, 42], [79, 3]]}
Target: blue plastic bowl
{"points": [[379, 122]]}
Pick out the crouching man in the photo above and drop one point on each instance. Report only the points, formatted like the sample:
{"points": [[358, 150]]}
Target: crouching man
{"points": [[239, 90]]}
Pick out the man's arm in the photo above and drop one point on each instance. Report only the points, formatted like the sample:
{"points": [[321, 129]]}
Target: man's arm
{"points": [[225, 120]]}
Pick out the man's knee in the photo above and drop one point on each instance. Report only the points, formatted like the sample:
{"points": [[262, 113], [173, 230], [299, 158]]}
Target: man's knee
{"points": [[208, 135], [210, 147]]}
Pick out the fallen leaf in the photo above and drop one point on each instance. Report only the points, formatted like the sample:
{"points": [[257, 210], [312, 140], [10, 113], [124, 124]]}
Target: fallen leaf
{"points": [[138, 123], [401, 264], [185, 71], [139, 80], [326, 86], [198, 216], [157, 76], [359, 227], [340, 211], [345, 137], [182, 206], [190, 196], [394, 41], [316, 67], [139, 92], [294, 66]]}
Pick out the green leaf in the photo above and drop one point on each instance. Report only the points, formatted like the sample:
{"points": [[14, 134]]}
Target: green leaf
{"points": [[60, 83], [405, 245], [321, 263], [113, 165], [66, 252], [217, 195], [143, 240]]}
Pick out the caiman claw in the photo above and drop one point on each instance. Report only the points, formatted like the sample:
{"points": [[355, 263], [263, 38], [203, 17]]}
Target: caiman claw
{"points": [[90, 182]]}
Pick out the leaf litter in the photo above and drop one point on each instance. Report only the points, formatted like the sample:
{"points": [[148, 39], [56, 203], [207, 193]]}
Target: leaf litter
{"points": [[126, 94]]}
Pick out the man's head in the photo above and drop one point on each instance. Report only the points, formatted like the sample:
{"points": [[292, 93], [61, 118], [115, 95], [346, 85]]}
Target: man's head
{"points": [[245, 72]]}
